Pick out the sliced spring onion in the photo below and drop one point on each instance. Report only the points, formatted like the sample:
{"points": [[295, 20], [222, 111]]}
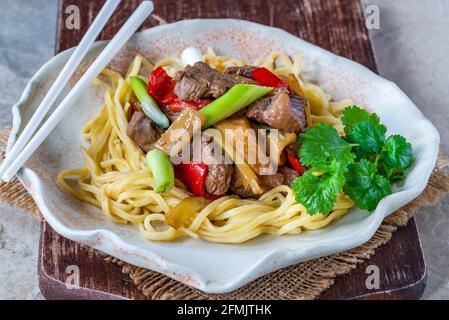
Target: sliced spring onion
{"points": [[234, 100], [149, 105], [162, 170]]}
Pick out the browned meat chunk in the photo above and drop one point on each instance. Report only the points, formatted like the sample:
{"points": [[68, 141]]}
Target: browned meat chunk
{"points": [[281, 111], [290, 175], [170, 114], [200, 81], [235, 78], [284, 176], [143, 131], [271, 181], [135, 104], [218, 178], [134, 107], [241, 74], [238, 187], [245, 71]]}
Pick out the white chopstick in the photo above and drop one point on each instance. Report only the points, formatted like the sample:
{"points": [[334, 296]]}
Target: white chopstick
{"points": [[60, 82], [114, 46]]}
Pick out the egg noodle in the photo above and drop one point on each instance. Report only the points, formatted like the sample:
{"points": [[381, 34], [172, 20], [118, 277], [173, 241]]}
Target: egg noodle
{"points": [[116, 179]]}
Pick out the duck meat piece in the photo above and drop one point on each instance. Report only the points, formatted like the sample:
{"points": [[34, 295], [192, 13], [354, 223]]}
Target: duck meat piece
{"points": [[236, 79], [239, 188], [219, 174], [290, 175], [282, 111], [245, 71], [200, 81], [143, 131], [271, 181], [134, 107], [241, 74], [218, 178], [284, 176], [267, 183], [170, 114]]}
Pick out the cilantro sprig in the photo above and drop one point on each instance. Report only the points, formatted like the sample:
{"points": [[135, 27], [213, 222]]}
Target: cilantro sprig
{"points": [[323, 145], [363, 163], [365, 186], [318, 190]]}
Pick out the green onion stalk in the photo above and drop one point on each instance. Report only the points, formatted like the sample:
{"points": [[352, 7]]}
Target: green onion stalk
{"points": [[234, 100], [162, 169], [149, 106]]}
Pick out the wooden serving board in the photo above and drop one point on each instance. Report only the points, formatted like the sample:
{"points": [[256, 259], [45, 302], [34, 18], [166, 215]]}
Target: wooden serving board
{"points": [[337, 25]]}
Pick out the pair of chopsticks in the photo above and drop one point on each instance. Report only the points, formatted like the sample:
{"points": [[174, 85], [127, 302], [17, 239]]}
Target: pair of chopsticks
{"points": [[27, 144]]}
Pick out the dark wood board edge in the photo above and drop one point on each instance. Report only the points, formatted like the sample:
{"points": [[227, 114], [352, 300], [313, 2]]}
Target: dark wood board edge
{"points": [[59, 21], [53, 288], [52, 283], [413, 290]]}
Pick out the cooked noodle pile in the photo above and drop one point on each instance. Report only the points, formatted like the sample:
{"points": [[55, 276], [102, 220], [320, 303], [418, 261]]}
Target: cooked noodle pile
{"points": [[116, 179]]}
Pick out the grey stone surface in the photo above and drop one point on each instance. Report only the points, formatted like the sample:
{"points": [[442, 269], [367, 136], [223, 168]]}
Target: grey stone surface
{"points": [[27, 40], [411, 48], [19, 240]]}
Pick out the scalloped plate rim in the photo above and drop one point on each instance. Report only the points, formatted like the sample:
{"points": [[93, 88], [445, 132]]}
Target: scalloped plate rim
{"points": [[284, 256]]}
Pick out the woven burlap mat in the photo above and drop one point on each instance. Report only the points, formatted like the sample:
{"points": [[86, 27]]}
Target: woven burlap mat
{"points": [[302, 281]]}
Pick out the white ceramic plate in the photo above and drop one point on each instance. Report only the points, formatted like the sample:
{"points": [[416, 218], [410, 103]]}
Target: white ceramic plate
{"points": [[207, 266]]}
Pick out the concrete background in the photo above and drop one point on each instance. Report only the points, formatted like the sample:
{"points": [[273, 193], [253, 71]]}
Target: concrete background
{"points": [[412, 48]]}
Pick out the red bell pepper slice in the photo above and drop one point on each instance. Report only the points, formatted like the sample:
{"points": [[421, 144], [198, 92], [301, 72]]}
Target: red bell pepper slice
{"points": [[192, 175], [161, 86], [177, 105], [294, 162], [266, 78]]}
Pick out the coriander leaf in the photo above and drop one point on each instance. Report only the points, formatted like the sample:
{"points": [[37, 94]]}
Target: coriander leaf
{"points": [[364, 186], [396, 157], [319, 193], [321, 145], [369, 137], [353, 115]]}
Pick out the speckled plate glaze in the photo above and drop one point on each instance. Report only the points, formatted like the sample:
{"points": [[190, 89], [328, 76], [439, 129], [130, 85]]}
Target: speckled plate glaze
{"points": [[208, 266]]}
